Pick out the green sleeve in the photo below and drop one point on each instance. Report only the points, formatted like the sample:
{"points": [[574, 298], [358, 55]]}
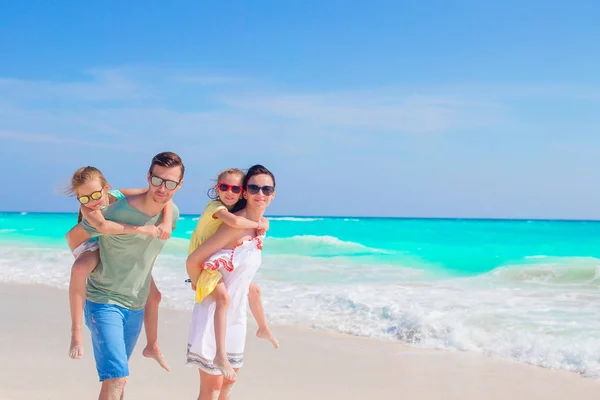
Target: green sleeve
{"points": [[93, 232], [117, 194]]}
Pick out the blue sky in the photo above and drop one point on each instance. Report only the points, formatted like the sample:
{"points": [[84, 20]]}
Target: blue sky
{"points": [[379, 108]]}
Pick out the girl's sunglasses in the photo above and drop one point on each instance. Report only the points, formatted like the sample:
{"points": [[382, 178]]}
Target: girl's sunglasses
{"points": [[93, 196], [223, 187], [157, 181], [254, 189]]}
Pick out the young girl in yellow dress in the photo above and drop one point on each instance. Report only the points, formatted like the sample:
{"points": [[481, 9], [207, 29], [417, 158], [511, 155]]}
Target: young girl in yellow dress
{"points": [[227, 193]]}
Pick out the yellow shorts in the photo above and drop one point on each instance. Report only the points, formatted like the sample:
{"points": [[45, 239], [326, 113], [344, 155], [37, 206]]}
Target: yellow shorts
{"points": [[207, 282]]}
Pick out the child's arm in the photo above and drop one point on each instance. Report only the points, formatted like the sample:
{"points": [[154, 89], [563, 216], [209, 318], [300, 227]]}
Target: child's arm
{"points": [[133, 192], [97, 220], [264, 228], [166, 226], [239, 222]]}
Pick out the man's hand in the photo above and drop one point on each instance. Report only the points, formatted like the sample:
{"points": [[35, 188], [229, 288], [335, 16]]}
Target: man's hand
{"points": [[164, 231]]}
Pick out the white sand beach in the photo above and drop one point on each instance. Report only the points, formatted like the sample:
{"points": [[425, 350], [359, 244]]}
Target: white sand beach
{"points": [[309, 364]]}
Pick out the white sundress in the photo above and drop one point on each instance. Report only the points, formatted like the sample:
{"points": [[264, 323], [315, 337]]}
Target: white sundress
{"points": [[246, 260]]}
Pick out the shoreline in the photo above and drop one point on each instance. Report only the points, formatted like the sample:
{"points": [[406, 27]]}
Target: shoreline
{"points": [[309, 364]]}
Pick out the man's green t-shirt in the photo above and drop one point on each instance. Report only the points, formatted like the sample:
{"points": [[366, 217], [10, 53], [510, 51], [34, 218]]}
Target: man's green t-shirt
{"points": [[124, 272]]}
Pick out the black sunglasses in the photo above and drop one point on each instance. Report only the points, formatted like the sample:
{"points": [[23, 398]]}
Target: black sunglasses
{"points": [[254, 189], [157, 181], [223, 187]]}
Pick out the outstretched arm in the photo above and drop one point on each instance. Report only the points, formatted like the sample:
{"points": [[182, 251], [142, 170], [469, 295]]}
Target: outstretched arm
{"points": [[96, 219], [133, 192], [166, 226], [239, 222], [216, 242]]}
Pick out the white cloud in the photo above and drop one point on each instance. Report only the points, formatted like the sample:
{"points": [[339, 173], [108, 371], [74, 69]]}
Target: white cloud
{"points": [[130, 104], [207, 79], [94, 85], [28, 137]]}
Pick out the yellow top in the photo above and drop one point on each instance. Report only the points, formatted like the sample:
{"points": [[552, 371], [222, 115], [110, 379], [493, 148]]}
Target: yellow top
{"points": [[207, 224]]}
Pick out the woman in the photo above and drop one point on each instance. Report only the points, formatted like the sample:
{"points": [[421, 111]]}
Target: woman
{"points": [[243, 247]]}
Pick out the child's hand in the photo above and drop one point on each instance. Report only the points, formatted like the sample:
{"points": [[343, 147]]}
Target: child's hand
{"points": [[263, 225], [164, 231], [148, 230]]}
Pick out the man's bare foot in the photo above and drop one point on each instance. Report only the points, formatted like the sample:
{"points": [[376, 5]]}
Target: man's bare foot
{"points": [[222, 363], [154, 352], [268, 335], [76, 347]]}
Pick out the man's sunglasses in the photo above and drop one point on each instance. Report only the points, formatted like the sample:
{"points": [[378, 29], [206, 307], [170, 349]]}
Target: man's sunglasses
{"points": [[223, 187], [157, 181], [93, 196], [254, 189]]}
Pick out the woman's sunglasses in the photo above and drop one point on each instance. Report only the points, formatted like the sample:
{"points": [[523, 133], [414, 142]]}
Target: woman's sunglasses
{"points": [[254, 189], [157, 181], [223, 187], [93, 196]]}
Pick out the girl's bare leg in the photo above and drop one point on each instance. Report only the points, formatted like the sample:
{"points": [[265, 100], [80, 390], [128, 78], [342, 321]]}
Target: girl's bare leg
{"points": [[221, 361], [258, 312], [151, 325], [82, 267]]}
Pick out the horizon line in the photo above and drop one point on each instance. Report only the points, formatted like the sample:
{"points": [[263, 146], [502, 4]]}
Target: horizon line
{"points": [[364, 217]]}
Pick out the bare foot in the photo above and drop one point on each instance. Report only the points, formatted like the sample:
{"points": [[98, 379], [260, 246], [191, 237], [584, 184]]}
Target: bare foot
{"points": [[154, 352], [76, 348], [268, 335], [222, 363]]}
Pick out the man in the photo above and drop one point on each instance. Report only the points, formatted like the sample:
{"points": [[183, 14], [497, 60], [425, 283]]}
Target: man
{"points": [[118, 287]]}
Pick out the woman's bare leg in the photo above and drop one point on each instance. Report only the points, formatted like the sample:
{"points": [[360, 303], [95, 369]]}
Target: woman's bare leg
{"points": [[210, 386], [214, 387], [82, 267], [221, 361], [226, 387], [151, 326]]}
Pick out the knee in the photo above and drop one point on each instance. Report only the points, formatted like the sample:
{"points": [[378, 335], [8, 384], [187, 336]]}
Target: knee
{"points": [[120, 382], [212, 389], [254, 290], [83, 266], [154, 297], [114, 386], [222, 297]]}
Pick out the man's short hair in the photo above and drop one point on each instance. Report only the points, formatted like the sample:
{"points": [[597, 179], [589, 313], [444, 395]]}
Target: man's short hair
{"points": [[167, 159]]}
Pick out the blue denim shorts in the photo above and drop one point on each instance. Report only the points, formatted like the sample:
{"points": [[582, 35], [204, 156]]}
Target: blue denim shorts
{"points": [[115, 331]]}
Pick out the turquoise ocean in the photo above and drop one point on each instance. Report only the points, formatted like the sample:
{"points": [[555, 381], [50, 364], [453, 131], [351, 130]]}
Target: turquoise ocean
{"points": [[522, 290]]}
